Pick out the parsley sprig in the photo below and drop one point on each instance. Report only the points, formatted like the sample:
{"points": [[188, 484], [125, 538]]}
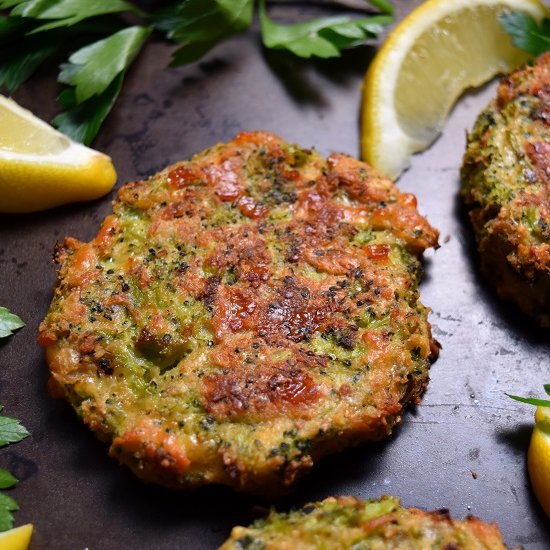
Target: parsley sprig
{"points": [[11, 431], [198, 25], [9, 322], [38, 32], [321, 37], [533, 400], [526, 33]]}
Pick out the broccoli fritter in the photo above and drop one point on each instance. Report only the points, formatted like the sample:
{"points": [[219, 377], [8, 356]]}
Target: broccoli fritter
{"points": [[346, 523], [242, 314], [506, 184]]}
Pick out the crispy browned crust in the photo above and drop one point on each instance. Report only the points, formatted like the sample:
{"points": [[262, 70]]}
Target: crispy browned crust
{"points": [[241, 314], [346, 522], [506, 183]]}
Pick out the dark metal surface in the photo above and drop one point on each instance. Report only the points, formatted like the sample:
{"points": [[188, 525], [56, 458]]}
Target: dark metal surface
{"points": [[463, 448]]}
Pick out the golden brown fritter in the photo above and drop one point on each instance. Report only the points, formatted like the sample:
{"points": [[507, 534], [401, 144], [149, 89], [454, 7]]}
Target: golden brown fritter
{"points": [[506, 183], [242, 314], [345, 523]]}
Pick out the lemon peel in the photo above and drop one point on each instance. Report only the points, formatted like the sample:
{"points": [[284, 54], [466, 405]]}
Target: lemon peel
{"points": [[428, 60], [17, 538], [41, 168], [538, 458]]}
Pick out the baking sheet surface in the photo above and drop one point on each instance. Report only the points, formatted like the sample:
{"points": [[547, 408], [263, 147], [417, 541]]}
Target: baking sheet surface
{"points": [[463, 448]]}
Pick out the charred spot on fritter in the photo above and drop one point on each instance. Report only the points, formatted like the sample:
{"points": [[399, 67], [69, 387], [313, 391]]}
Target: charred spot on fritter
{"points": [[241, 314], [506, 185]]}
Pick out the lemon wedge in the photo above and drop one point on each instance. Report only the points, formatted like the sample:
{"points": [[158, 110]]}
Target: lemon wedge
{"points": [[538, 458], [41, 168], [18, 538], [438, 51]]}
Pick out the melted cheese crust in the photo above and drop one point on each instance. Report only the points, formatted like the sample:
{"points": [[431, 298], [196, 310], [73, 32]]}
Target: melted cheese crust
{"points": [[506, 184], [345, 522], [243, 313]]}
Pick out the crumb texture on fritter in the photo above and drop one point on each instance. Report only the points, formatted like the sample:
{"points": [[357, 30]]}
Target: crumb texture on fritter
{"points": [[243, 313], [506, 184], [345, 523]]}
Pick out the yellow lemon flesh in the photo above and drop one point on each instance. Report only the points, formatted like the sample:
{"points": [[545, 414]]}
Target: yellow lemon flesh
{"points": [[538, 458], [438, 51], [41, 168], [16, 539]]}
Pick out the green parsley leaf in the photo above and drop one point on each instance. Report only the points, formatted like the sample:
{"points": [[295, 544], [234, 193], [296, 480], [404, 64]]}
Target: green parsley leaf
{"points": [[383, 5], [9, 322], [526, 33], [533, 400], [92, 68], [321, 37], [21, 55], [191, 52], [6, 479], [96, 72], [10, 3], [16, 66], [200, 24], [81, 122], [11, 431], [65, 12], [9, 27], [7, 506]]}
